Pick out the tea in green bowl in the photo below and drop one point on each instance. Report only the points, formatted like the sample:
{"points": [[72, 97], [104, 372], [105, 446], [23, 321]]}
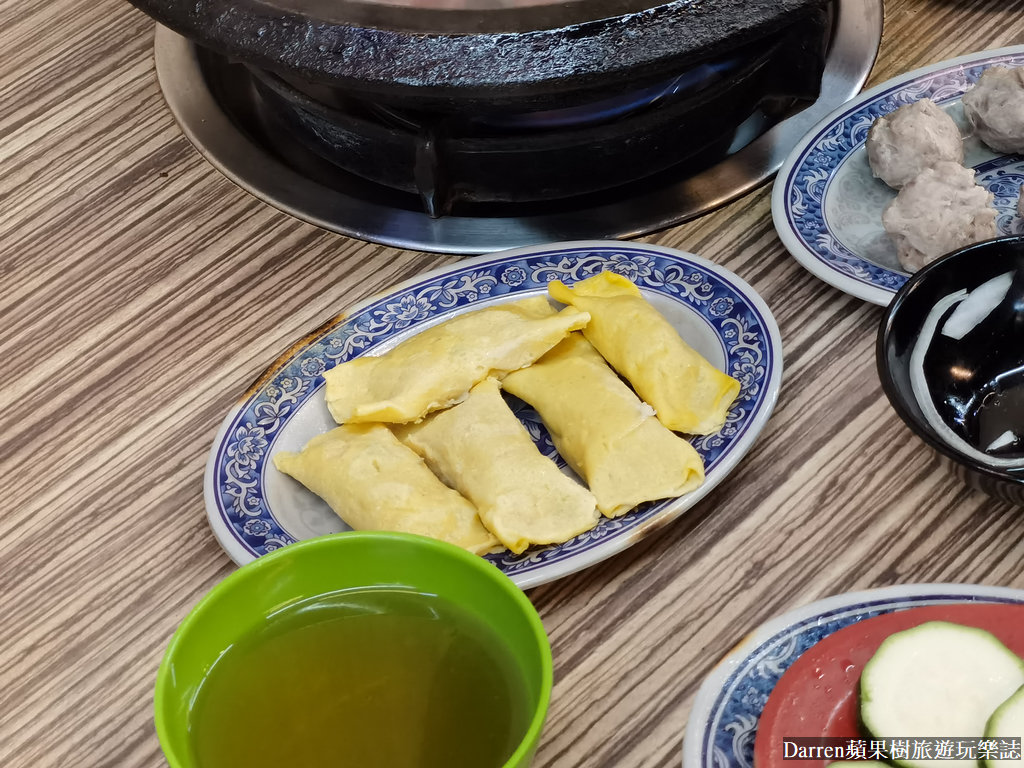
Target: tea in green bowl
{"points": [[357, 649]]}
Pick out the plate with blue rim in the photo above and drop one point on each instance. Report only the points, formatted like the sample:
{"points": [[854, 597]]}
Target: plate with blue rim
{"points": [[722, 726], [253, 508], [826, 205]]}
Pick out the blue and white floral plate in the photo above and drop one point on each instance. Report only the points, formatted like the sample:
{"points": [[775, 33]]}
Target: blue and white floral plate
{"points": [[723, 722], [254, 509], [826, 205]]}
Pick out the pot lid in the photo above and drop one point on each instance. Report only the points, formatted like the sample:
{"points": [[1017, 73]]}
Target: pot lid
{"points": [[450, 46]]}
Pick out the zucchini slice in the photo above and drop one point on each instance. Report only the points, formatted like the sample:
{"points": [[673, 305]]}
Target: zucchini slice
{"points": [[1006, 722], [937, 680]]}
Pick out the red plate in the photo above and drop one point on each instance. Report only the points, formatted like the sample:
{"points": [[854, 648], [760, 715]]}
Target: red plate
{"points": [[817, 696]]}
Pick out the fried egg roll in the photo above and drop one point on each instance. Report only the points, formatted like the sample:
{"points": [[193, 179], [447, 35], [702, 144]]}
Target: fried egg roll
{"points": [[436, 368], [687, 392], [374, 483], [480, 448], [603, 430]]}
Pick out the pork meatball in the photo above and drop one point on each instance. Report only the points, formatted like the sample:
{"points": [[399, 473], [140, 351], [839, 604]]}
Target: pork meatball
{"points": [[994, 107], [916, 136], [939, 210]]}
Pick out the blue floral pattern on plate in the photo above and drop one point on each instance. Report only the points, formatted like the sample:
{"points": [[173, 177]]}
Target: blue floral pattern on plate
{"points": [[748, 342], [827, 206], [726, 721]]}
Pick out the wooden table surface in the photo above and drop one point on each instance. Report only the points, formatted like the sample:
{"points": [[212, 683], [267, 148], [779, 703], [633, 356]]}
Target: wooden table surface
{"points": [[141, 293]]}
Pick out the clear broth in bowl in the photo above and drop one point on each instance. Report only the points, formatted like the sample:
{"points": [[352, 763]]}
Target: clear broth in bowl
{"points": [[366, 678]]}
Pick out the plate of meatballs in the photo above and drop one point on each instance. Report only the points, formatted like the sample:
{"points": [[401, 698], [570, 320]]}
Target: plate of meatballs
{"points": [[917, 167]]}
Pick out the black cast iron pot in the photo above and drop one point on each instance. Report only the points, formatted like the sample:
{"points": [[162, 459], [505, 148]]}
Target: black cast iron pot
{"points": [[519, 56]]}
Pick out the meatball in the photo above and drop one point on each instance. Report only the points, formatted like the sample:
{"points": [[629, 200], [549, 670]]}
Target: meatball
{"points": [[994, 107], [916, 136], [940, 210]]}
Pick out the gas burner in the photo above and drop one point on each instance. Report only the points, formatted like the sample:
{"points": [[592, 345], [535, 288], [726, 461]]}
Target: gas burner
{"points": [[505, 174]]}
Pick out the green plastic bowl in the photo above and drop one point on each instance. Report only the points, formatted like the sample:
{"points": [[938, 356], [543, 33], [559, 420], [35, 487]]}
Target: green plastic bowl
{"points": [[340, 561]]}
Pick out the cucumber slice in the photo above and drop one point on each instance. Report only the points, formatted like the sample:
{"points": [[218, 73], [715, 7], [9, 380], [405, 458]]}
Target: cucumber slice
{"points": [[937, 680], [1007, 722]]}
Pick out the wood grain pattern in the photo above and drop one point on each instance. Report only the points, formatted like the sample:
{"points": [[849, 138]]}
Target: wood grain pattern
{"points": [[141, 293]]}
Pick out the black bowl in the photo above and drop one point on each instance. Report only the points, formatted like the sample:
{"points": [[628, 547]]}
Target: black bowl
{"points": [[974, 384]]}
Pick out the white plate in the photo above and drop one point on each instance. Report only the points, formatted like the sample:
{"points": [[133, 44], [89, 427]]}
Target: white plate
{"points": [[826, 205], [254, 509], [723, 722]]}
